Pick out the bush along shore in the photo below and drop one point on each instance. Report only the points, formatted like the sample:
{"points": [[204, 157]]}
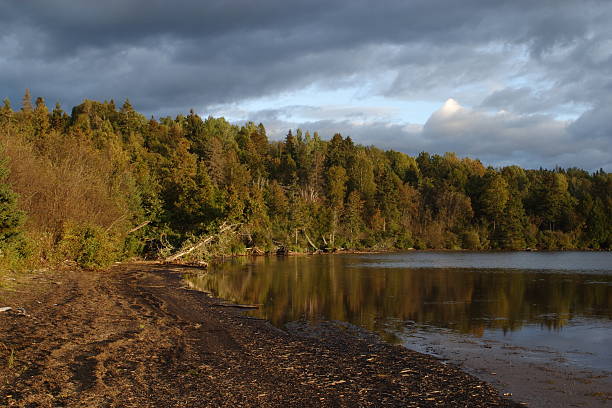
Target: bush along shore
{"points": [[104, 183]]}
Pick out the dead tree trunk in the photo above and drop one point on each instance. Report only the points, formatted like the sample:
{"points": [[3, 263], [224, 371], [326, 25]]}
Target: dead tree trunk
{"points": [[309, 241], [144, 224], [201, 243]]}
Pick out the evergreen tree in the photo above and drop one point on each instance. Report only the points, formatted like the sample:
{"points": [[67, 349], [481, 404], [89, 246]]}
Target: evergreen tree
{"points": [[59, 119], [26, 102], [11, 218]]}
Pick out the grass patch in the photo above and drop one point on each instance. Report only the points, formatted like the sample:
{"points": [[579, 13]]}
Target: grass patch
{"points": [[10, 358]]}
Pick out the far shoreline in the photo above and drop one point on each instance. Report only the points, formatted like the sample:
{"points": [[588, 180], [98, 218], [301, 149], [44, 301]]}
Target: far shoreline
{"points": [[223, 258]]}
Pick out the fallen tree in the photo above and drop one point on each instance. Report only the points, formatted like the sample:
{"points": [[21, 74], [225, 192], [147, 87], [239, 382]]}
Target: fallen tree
{"points": [[310, 241], [202, 242]]}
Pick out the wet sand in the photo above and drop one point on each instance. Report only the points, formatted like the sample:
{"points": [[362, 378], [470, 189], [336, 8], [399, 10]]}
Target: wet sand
{"points": [[537, 376]]}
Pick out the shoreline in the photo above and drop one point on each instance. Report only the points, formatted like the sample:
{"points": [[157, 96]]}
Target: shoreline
{"points": [[137, 336], [223, 258], [406, 250]]}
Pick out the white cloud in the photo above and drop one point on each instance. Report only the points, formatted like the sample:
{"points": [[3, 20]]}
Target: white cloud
{"points": [[498, 139]]}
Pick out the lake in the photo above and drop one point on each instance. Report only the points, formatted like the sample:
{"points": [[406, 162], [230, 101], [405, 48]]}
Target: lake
{"points": [[560, 302]]}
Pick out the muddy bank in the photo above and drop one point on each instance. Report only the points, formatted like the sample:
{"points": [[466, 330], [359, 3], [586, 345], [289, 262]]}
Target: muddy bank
{"points": [[136, 337]]}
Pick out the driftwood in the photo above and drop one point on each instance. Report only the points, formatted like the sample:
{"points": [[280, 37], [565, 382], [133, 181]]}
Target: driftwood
{"points": [[255, 251], [236, 305], [201, 243]]}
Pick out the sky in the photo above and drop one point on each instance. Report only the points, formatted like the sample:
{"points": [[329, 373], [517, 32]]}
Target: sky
{"points": [[507, 82]]}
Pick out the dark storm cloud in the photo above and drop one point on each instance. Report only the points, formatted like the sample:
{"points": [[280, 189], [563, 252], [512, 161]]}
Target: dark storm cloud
{"points": [[549, 56], [225, 51], [523, 100]]}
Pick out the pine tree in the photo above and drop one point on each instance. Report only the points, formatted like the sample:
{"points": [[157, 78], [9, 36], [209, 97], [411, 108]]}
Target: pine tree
{"points": [[26, 102], [58, 117], [11, 219], [41, 119]]}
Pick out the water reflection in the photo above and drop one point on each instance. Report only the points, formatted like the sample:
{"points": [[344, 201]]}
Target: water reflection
{"points": [[468, 300]]}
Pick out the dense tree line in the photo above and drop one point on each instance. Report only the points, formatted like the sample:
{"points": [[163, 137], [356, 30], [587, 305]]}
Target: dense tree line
{"points": [[104, 183]]}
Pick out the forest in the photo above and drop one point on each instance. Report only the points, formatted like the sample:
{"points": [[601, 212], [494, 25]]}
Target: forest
{"points": [[102, 184]]}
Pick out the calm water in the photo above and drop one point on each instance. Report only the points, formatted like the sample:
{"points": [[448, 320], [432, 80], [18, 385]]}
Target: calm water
{"points": [[559, 300]]}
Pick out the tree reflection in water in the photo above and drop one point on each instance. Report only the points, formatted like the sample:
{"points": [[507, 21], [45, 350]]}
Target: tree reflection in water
{"points": [[338, 287]]}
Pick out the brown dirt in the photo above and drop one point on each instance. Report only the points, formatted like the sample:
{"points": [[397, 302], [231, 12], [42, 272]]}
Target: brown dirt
{"points": [[134, 336]]}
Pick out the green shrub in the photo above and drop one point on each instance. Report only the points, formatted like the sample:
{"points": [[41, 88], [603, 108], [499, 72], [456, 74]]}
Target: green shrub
{"points": [[420, 244], [133, 246], [470, 240], [13, 246], [15, 256], [237, 248], [90, 246], [555, 240], [451, 241], [404, 241]]}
